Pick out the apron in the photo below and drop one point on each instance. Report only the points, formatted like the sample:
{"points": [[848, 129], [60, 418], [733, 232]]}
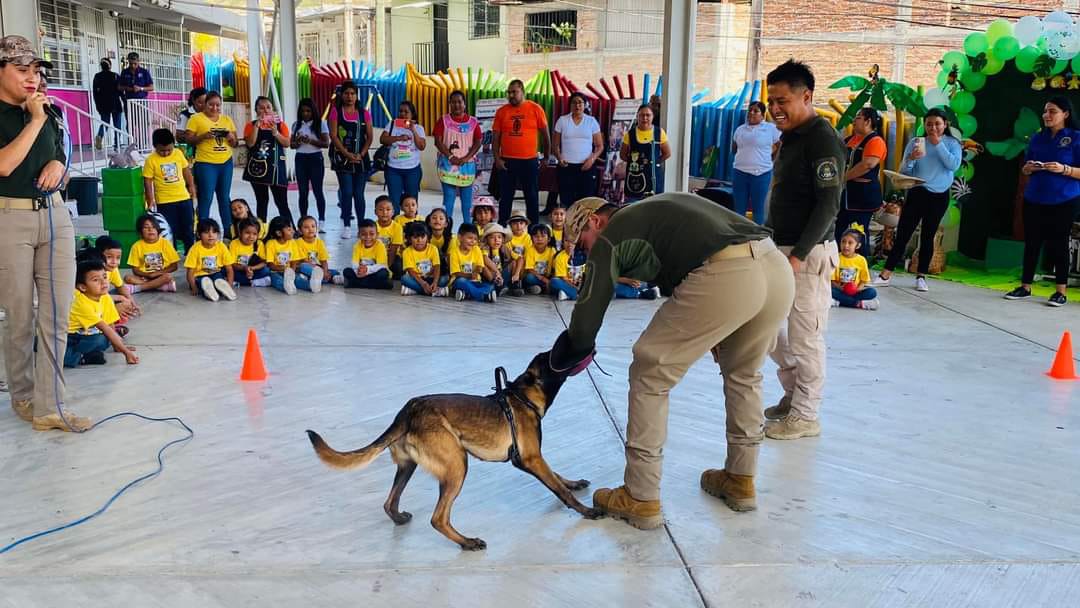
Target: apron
{"points": [[351, 134], [642, 168], [266, 161], [458, 139], [863, 196]]}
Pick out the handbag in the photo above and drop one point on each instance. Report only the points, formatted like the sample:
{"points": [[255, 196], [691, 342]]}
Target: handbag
{"points": [[380, 160]]}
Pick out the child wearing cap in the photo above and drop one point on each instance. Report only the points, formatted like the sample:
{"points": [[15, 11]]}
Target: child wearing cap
{"points": [[519, 242], [539, 260], [469, 271], [483, 211], [498, 255], [421, 267]]}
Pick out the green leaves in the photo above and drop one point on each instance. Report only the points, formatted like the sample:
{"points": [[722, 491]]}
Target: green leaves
{"points": [[877, 97], [853, 109], [1026, 125], [855, 83], [1009, 149]]}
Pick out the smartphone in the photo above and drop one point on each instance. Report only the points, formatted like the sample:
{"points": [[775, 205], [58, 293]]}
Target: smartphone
{"points": [[402, 123], [1038, 164]]}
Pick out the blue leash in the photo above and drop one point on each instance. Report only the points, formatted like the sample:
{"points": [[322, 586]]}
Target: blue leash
{"points": [[56, 387]]}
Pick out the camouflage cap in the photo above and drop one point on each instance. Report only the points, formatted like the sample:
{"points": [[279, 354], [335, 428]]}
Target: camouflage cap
{"points": [[578, 216], [19, 50]]}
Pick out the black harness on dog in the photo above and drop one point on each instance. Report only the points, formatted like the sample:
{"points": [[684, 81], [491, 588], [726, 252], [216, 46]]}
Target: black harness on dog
{"points": [[502, 390]]}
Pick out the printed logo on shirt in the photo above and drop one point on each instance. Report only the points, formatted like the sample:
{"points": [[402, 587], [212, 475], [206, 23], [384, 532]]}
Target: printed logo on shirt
{"points": [[519, 249], [368, 261], [827, 172], [243, 259], [313, 257], [209, 262], [424, 267], [283, 258], [154, 262], [385, 240], [467, 268], [541, 267], [170, 173], [848, 275], [1065, 142]]}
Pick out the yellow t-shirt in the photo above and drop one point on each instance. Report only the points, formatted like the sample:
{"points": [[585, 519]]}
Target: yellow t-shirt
{"points": [[541, 263], [470, 263], [519, 245], [208, 260], [369, 256], [390, 235], [215, 150], [152, 257], [556, 238], [282, 253], [423, 262], [312, 253], [852, 270], [437, 241], [264, 228], [562, 266], [402, 220], [115, 279], [86, 314], [168, 175], [242, 253], [644, 137]]}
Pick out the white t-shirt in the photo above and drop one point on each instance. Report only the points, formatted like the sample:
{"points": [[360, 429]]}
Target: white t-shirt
{"points": [[183, 118], [576, 138], [405, 154], [305, 129], [754, 144]]}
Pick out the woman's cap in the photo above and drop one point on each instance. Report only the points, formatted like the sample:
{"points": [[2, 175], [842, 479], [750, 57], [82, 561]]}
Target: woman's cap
{"points": [[495, 228], [578, 216], [19, 50]]}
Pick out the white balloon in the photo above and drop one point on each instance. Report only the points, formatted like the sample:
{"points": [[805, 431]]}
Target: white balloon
{"points": [[1028, 30], [1057, 21], [935, 97], [1063, 44]]}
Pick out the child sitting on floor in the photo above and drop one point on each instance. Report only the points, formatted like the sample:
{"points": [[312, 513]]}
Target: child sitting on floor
{"points": [[420, 264], [250, 254], [441, 228], [283, 258], [390, 233], [242, 211], [627, 288], [498, 256], [313, 253], [851, 278], [470, 275], [539, 260], [209, 264], [567, 275], [519, 242], [90, 330], [483, 211], [558, 222], [369, 269], [410, 211], [152, 258], [109, 250]]}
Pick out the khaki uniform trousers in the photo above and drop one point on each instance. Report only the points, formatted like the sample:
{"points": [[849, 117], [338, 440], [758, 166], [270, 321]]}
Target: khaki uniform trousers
{"points": [[732, 306], [800, 347], [35, 371]]}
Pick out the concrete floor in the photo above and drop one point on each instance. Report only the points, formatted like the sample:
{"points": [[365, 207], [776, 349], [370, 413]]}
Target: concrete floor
{"points": [[947, 473]]}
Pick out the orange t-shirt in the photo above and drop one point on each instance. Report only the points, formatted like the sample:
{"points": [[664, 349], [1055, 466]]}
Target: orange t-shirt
{"points": [[876, 147], [519, 128], [251, 127]]}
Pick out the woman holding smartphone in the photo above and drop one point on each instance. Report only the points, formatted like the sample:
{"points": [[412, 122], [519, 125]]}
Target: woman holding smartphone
{"points": [[407, 140]]}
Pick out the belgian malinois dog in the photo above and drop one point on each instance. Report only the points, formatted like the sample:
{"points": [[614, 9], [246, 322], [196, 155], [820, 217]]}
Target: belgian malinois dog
{"points": [[439, 431]]}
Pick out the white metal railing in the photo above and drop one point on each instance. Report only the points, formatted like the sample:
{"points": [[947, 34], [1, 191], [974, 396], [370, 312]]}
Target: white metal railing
{"points": [[86, 159], [145, 115], [240, 113]]}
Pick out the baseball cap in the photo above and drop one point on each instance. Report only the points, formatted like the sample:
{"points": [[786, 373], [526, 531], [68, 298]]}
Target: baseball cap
{"points": [[19, 50], [578, 216], [132, 55]]}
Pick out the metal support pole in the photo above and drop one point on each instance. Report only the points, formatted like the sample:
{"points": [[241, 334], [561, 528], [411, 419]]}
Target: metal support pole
{"points": [[254, 41], [289, 89], [680, 17]]}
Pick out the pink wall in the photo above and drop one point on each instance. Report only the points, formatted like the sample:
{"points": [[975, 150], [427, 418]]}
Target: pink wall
{"points": [[79, 125], [169, 96]]}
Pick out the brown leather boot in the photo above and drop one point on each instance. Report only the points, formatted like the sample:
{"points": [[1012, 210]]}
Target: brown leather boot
{"points": [[737, 491], [68, 423], [642, 514], [780, 410], [23, 409]]}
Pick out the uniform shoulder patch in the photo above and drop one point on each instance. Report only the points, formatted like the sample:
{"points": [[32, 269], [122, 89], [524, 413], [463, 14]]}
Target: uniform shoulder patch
{"points": [[827, 171]]}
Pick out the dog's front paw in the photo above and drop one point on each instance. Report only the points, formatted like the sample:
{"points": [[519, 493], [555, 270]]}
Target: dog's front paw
{"points": [[592, 514], [402, 518], [574, 486], [474, 544]]}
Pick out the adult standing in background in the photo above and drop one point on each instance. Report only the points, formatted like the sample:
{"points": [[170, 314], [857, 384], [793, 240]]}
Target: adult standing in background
{"points": [[267, 138], [577, 144], [107, 102], [310, 136], [933, 159], [644, 149], [807, 187], [407, 140], [37, 242], [755, 144], [515, 133], [350, 140], [458, 138], [214, 136], [862, 194], [135, 81], [196, 101]]}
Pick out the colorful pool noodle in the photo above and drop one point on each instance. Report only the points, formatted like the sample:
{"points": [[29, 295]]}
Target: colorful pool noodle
{"points": [[596, 93], [630, 84], [607, 89], [618, 86], [645, 88]]}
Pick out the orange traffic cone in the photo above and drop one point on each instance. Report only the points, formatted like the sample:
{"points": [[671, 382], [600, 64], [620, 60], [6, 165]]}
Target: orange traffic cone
{"points": [[1064, 368], [254, 369]]}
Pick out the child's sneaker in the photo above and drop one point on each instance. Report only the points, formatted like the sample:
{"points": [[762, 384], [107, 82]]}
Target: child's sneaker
{"points": [[169, 287], [459, 295], [440, 292], [516, 290], [209, 292], [225, 289], [263, 282], [134, 289], [405, 291], [338, 279], [650, 294], [345, 233], [492, 297], [97, 358], [868, 304], [535, 290], [290, 281], [562, 297], [316, 279], [836, 303]]}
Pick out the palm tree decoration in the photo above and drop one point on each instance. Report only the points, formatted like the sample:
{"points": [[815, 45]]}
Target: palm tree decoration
{"points": [[876, 90]]}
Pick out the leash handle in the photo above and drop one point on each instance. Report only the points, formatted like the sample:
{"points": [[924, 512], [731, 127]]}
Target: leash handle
{"points": [[501, 380]]}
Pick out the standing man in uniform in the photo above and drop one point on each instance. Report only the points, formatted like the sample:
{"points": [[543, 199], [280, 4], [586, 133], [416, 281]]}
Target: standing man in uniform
{"points": [[515, 130], [135, 81], [37, 242], [808, 181], [731, 288]]}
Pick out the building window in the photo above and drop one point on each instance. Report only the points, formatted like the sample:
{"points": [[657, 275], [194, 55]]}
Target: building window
{"points": [[309, 47], [60, 42], [483, 20], [634, 24], [551, 31], [163, 50]]}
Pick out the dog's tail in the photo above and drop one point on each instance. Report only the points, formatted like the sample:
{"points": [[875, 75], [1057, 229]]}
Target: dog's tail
{"points": [[356, 458]]}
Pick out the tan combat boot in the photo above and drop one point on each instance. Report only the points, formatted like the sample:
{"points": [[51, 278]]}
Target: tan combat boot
{"points": [[779, 410], [69, 422], [737, 491], [643, 514], [792, 427], [23, 409]]}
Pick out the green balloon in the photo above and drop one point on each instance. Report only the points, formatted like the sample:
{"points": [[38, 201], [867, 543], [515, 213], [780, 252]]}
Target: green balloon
{"points": [[998, 30], [1026, 58], [1059, 66], [942, 79], [1076, 65], [952, 217], [966, 170], [1006, 48], [973, 81], [994, 64], [967, 124], [962, 102], [976, 43], [954, 59]]}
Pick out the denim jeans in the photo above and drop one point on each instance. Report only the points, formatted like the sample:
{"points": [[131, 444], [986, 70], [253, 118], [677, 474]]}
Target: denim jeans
{"points": [[853, 301], [181, 218], [750, 192], [411, 283], [241, 276], [401, 182], [449, 196], [113, 118], [477, 290], [629, 292], [213, 277], [277, 281], [526, 172], [530, 280], [306, 268], [351, 196], [310, 172], [558, 285], [211, 179], [375, 280], [79, 345]]}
